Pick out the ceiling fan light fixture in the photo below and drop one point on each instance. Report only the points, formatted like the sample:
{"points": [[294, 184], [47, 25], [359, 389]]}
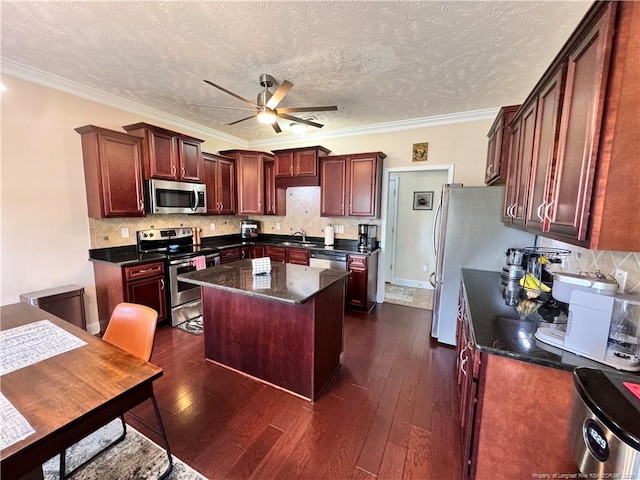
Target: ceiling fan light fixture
{"points": [[266, 117]]}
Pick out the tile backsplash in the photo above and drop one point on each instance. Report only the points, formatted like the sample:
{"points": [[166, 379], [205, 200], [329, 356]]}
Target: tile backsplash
{"points": [[303, 213], [583, 260]]}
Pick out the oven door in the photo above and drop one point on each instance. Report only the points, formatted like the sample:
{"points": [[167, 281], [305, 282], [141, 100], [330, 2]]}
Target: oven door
{"points": [[182, 292]]}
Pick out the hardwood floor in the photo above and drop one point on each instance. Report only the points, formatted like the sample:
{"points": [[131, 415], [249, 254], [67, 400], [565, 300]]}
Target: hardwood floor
{"points": [[390, 413]]}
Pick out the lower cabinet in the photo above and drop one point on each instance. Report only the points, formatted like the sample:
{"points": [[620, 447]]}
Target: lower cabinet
{"points": [[298, 256], [234, 254], [143, 284], [362, 281], [513, 414]]}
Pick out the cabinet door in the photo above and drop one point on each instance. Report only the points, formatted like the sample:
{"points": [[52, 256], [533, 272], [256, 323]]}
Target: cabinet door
{"points": [[277, 254], [270, 200], [150, 292], [525, 157], [305, 164], [495, 136], [119, 178], [544, 151], [229, 255], [357, 281], [210, 179], [580, 131], [284, 164], [250, 183], [190, 157], [257, 251], [511, 188], [226, 187], [361, 190], [298, 256], [162, 156], [333, 176], [498, 146]]}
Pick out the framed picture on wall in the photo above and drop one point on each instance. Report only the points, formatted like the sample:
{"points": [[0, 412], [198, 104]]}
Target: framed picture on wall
{"points": [[423, 200]]}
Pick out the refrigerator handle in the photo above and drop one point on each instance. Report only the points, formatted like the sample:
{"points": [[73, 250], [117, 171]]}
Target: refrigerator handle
{"points": [[436, 229]]}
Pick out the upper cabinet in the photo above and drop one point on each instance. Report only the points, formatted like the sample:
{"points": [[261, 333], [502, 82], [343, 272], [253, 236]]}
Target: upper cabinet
{"points": [[498, 147], [220, 178], [169, 155], [298, 167], [255, 182], [574, 176], [112, 172], [351, 185]]}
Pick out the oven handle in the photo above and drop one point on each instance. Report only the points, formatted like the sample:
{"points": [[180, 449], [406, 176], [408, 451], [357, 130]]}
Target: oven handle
{"points": [[186, 262]]}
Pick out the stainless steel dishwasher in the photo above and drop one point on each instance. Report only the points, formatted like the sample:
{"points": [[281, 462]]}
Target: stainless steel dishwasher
{"points": [[328, 259]]}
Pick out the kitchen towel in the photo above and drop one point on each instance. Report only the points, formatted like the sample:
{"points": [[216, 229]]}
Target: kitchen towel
{"points": [[199, 262], [328, 235]]}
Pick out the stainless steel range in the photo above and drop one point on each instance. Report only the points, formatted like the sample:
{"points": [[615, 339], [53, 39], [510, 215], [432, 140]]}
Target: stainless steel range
{"points": [[181, 254]]}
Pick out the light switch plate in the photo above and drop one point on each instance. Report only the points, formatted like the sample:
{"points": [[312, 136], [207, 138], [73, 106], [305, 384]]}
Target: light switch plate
{"points": [[125, 232]]}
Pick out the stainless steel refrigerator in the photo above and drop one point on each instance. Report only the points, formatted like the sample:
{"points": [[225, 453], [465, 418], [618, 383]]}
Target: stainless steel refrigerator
{"points": [[468, 233]]}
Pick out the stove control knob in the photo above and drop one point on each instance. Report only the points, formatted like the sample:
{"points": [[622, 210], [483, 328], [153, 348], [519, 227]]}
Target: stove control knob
{"points": [[151, 234], [145, 235]]}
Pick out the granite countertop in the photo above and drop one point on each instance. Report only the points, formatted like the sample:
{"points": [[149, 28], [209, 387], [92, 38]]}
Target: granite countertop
{"points": [[128, 254], [288, 283], [498, 328]]}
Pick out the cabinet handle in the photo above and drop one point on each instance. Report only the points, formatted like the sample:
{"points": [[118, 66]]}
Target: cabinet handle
{"points": [[539, 211], [291, 170], [548, 210], [182, 171], [142, 205], [173, 170], [463, 360], [144, 270], [162, 284], [490, 170], [298, 170]]}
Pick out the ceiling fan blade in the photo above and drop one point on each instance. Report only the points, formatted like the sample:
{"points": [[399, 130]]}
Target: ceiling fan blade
{"points": [[248, 102], [276, 127], [220, 106], [279, 94], [242, 120], [300, 120], [331, 108]]}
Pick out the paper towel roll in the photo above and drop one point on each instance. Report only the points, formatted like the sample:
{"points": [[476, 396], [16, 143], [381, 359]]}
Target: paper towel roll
{"points": [[328, 235]]}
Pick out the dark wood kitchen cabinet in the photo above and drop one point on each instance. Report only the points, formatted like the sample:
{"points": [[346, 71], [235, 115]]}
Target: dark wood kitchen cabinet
{"points": [[234, 254], [276, 254], [351, 185], [275, 200], [112, 172], [362, 281], [168, 155], [510, 410], [299, 167], [220, 179], [583, 182], [141, 283], [255, 183], [298, 256], [498, 146]]}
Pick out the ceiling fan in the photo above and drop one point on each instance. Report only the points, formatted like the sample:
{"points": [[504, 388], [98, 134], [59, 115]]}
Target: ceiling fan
{"points": [[265, 106]]}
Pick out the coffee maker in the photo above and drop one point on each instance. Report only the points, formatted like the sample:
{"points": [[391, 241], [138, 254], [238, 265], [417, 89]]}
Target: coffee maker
{"points": [[249, 229], [366, 237]]}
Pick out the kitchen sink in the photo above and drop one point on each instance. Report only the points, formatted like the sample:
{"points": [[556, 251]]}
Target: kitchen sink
{"points": [[299, 244]]}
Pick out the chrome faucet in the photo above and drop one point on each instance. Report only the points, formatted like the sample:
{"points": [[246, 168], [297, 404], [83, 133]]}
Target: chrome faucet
{"points": [[302, 233]]}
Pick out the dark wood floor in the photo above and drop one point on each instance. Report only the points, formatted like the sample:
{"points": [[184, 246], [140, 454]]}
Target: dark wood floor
{"points": [[390, 413]]}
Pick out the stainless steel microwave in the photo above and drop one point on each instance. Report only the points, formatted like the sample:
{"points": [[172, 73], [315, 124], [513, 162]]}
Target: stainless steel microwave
{"points": [[164, 196]]}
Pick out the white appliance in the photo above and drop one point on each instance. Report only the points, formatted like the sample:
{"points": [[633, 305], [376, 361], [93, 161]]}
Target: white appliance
{"points": [[601, 327], [468, 233]]}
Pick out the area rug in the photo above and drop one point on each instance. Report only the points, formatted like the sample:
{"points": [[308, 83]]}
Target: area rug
{"points": [[136, 457], [408, 296], [193, 326]]}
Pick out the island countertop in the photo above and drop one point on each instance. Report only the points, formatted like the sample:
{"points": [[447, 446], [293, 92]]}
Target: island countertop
{"points": [[287, 283]]}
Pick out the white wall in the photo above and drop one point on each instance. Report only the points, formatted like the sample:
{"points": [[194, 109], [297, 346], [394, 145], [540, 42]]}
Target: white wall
{"points": [[43, 225], [415, 227]]}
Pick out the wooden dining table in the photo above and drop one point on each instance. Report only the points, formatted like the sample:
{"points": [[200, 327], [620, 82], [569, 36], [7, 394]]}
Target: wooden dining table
{"points": [[68, 396]]}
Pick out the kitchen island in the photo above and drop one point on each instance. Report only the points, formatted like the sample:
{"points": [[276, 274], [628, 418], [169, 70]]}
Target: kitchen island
{"points": [[284, 328]]}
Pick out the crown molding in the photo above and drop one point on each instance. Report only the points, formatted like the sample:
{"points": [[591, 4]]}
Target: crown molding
{"points": [[378, 128], [56, 82]]}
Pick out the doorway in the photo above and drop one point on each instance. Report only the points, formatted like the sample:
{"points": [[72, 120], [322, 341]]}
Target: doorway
{"points": [[406, 252]]}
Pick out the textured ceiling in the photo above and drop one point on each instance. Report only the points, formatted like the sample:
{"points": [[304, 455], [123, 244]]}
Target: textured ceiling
{"points": [[378, 61]]}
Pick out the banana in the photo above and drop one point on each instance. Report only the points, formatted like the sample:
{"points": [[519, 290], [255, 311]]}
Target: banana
{"points": [[530, 282], [526, 307]]}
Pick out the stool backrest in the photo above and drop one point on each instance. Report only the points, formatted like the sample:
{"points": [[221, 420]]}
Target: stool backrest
{"points": [[132, 327]]}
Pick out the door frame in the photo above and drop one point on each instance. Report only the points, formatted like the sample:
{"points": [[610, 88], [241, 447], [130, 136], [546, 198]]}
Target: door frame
{"points": [[385, 199], [392, 211]]}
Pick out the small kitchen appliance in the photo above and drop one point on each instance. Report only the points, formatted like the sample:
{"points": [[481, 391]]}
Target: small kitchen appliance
{"points": [[604, 431], [177, 247], [602, 325], [249, 229], [366, 237]]}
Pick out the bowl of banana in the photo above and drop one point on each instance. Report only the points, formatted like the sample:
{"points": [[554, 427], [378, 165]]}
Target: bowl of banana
{"points": [[534, 287]]}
